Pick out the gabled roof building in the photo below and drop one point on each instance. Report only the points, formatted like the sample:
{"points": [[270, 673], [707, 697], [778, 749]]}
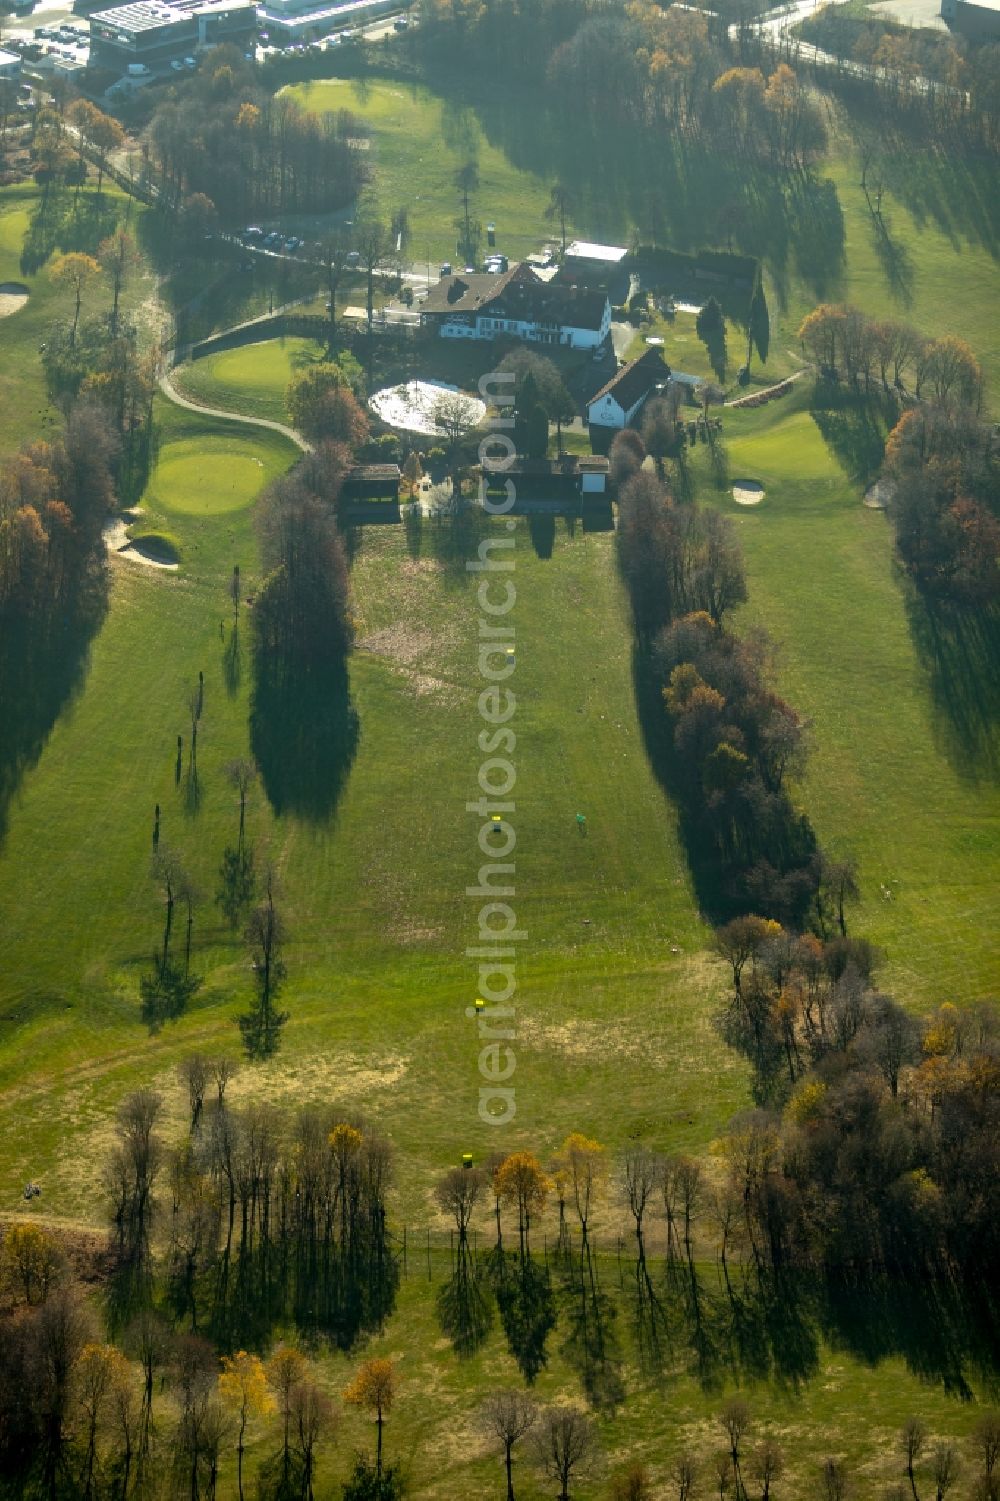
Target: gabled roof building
{"points": [[617, 402], [518, 304]]}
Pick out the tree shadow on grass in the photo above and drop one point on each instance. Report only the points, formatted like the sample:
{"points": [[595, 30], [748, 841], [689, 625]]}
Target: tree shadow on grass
{"points": [[64, 221], [854, 425], [960, 651], [895, 260], [43, 666], [524, 1296], [304, 732], [542, 530], [232, 661], [591, 1345]]}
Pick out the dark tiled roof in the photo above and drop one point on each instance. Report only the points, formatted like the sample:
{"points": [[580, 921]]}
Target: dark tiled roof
{"points": [[518, 294], [568, 463], [634, 380], [373, 471]]}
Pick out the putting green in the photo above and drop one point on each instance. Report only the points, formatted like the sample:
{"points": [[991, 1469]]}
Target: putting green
{"points": [[206, 476]]}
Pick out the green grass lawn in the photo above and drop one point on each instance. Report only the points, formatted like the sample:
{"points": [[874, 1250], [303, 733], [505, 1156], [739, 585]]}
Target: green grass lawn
{"points": [[419, 142], [936, 266], [884, 780], [23, 399], [616, 989], [251, 379], [64, 223]]}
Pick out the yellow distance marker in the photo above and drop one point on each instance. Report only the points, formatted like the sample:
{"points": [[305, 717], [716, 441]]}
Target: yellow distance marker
{"points": [[480, 1003]]}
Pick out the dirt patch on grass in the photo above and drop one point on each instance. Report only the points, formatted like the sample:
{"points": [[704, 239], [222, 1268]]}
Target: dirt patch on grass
{"points": [[399, 643], [414, 568], [13, 296], [404, 645], [319, 1080], [407, 931]]}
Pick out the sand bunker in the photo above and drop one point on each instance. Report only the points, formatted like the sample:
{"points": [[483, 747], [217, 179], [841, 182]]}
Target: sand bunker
{"points": [[747, 492], [877, 496], [117, 541], [13, 296]]}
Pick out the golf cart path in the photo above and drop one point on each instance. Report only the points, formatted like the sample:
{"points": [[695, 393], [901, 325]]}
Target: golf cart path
{"points": [[172, 394]]}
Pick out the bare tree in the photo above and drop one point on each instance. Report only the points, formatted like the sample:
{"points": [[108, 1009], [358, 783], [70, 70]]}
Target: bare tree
{"points": [[913, 1437], [735, 1420], [194, 1072], [372, 243], [986, 1442], [833, 1478], [560, 206], [457, 1194], [946, 1469], [332, 252], [766, 1464], [565, 1441], [641, 1171], [467, 181], [223, 1071], [190, 894], [312, 1415], [168, 873], [683, 1474], [194, 702], [241, 773], [507, 1416]]}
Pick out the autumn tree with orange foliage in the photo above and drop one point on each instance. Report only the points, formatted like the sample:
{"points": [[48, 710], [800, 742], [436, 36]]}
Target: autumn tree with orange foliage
{"points": [[521, 1183], [374, 1387]]}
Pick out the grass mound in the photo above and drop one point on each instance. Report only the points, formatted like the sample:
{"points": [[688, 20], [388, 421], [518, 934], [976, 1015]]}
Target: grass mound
{"points": [[206, 476], [252, 379], [160, 546]]}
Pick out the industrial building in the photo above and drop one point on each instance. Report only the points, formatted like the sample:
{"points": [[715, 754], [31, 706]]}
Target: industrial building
{"points": [[151, 34], [979, 20], [287, 21]]}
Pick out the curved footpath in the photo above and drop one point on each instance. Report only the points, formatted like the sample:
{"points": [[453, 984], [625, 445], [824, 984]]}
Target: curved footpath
{"points": [[172, 394]]}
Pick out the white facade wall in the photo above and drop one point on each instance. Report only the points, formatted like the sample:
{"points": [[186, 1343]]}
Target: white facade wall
{"points": [[486, 327], [608, 413]]}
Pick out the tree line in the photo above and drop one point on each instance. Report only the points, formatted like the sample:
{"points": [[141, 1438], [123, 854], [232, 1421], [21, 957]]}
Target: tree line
{"points": [[875, 1152], [220, 136], [254, 1220], [849, 344], [875, 1159], [729, 743], [941, 466], [650, 66], [946, 81], [939, 471]]}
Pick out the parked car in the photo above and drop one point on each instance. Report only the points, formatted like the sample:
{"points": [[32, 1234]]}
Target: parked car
{"points": [[189, 62], [177, 66], [253, 232], [445, 268]]}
